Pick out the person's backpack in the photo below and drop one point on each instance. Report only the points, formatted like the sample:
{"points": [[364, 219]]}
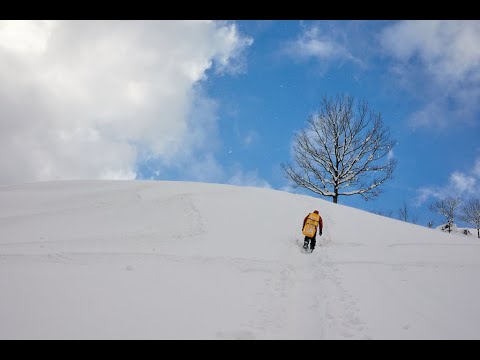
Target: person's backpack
{"points": [[311, 225]]}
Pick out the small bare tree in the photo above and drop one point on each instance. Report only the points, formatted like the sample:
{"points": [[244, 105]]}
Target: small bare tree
{"points": [[345, 150], [471, 214], [403, 212], [447, 208]]}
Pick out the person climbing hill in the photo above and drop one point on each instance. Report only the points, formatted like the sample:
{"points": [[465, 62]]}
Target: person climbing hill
{"points": [[309, 229]]}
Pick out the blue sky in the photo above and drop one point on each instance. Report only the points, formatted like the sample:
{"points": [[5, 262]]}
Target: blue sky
{"points": [[261, 108], [221, 101]]}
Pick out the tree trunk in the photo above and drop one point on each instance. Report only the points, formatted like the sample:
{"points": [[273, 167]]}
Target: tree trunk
{"points": [[478, 232], [335, 191]]}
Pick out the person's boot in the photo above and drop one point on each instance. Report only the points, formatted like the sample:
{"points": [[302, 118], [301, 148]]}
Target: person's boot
{"points": [[305, 244]]}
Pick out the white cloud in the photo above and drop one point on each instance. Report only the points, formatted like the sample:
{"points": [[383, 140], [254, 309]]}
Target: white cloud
{"points": [[248, 178], [448, 49], [205, 169], [447, 53], [426, 193], [462, 183], [459, 184], [432, 114], [312, 43], [86, 99], [250, 138], [23, 36]]}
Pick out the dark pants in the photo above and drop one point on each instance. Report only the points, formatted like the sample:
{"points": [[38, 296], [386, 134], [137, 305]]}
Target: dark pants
{"points": [[312, 240]]}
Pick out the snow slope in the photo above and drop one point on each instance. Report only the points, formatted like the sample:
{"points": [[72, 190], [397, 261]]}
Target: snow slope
{"points": [[179, 260]]}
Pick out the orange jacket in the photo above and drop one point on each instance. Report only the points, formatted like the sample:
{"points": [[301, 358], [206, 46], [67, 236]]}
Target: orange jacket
{"points": [[320, 222]]}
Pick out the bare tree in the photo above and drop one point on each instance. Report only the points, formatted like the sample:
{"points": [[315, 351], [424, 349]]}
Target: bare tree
{"points": [[345, 150], [471, 213], [447, 208], [403, 212]]}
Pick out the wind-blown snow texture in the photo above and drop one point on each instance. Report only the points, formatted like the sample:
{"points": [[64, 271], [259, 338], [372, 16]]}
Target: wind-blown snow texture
{"points": [[178, 260]]}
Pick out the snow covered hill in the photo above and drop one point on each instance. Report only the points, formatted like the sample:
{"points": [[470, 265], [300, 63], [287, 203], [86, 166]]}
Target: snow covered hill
{"points": [[179, 260]]}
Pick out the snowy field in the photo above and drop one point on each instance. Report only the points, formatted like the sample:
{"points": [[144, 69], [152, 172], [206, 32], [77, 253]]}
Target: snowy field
{"points": [[179, 260]]}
